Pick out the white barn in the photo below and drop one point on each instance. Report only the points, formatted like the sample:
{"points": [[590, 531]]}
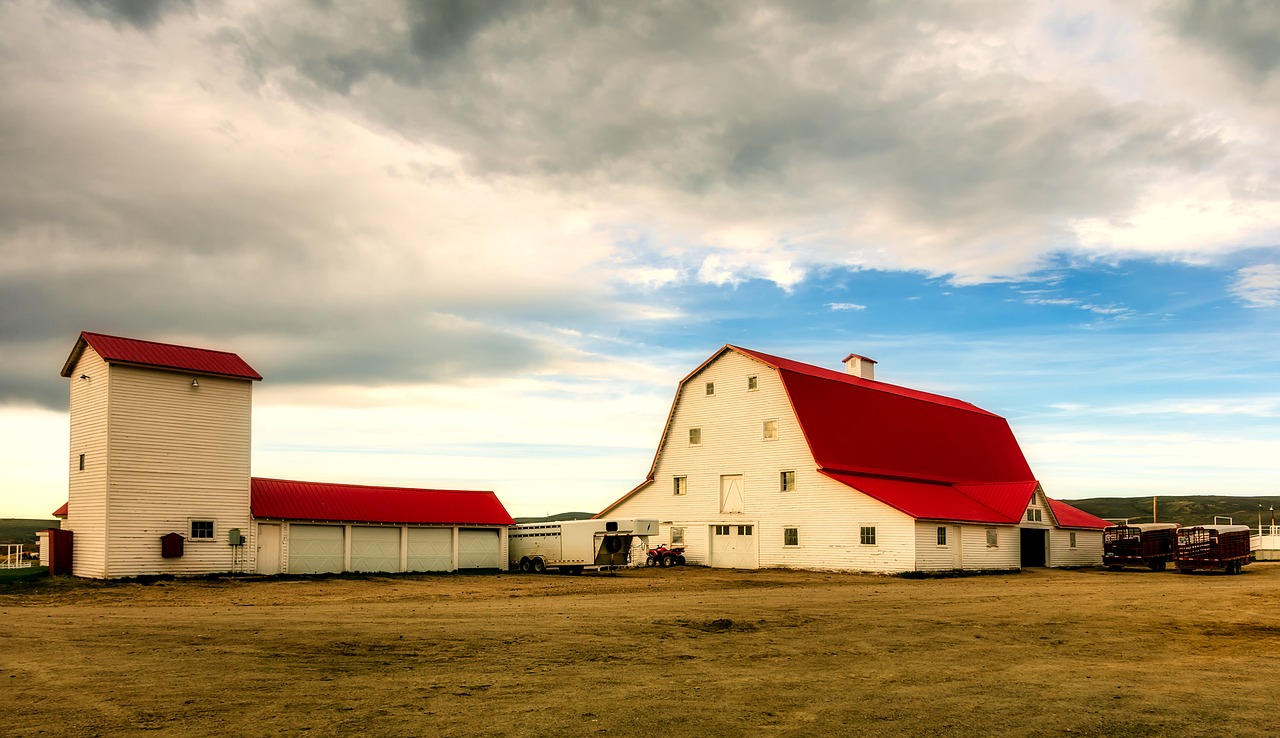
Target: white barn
{"points": [[768, 462], [159, 482]]}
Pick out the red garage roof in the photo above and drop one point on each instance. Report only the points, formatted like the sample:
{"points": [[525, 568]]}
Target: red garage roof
{"points": [[117, 350], [930, 456], [352, 503]]}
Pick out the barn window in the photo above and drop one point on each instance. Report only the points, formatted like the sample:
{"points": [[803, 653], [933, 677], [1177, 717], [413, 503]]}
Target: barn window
{"points": [[680, 485], [791, 536], [1073, 539], [81, 462], [867, 536], [202, 530], [744, 530], [753, 383], [711, 388], [942, 535], [695, 436], [992, 540], [722, 530], [1034, 515], [787, 481], [677, 536], [770, 430]]}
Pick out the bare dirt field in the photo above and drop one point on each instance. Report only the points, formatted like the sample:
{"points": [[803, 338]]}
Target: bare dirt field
{"points": [[649, 652]]}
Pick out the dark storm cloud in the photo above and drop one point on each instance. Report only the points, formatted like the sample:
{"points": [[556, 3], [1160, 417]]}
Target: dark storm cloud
{"points": [[141, 14], [1247, 32]]}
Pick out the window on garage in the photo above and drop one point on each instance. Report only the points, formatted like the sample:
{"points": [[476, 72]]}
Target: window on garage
{"points": [[791, 536], [867, 536]]}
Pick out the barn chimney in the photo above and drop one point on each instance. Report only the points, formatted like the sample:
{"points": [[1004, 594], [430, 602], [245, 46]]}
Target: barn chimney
{"points": [[860, 366]]}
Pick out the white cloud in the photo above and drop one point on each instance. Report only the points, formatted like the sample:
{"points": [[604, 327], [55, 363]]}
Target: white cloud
{"points": [[1258, 286], [846, 306]]}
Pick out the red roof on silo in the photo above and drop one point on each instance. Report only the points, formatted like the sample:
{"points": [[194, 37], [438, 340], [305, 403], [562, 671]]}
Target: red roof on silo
{"points": [[118, 350], [352, 503]]}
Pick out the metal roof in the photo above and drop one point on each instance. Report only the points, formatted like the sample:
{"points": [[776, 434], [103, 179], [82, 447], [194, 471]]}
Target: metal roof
{"points": [[351, 503], [118, 350], [1073, 517]]}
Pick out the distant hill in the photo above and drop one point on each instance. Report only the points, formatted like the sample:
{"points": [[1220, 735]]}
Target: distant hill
{"points": [[1188, 509], [23, 530], [557, 517]]}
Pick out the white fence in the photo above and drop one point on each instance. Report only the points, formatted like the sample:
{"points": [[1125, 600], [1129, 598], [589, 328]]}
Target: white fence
{"points": [[12, 557], [1266, 544]]}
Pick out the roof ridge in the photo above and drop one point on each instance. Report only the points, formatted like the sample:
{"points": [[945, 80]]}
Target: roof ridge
{"points": [[370, 486]]}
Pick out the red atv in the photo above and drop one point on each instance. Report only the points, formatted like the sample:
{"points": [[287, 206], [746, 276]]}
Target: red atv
{"points": [[663, 556]]}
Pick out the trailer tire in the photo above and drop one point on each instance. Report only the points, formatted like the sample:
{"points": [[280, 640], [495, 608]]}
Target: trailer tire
{"points": [[537, 566], [1157, 565], [1184, 571], [1112, 567], [525, 566]]}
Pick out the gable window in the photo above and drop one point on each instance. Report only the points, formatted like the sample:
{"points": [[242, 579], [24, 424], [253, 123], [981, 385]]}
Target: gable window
{"points": [[1034, 515], [787, 481], [202, 530], [753, 383], [679, 485], [677, 536], [770, 430], [695, 436], [942, 535], [791, 536], [1073, 539], [992, 540], [711, 388], [867, 536]]}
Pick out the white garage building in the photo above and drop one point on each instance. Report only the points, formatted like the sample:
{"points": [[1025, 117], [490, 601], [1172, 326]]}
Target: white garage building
{"points": [[311, 527]]}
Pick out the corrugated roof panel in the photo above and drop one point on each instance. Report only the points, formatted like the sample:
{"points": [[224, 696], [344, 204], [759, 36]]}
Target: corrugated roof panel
{"points": [[929, 501], [294, 500], [115, 349], [1010, 499], [1073, 517]]}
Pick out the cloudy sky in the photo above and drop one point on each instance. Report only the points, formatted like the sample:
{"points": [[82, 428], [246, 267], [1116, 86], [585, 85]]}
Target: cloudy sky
{"points": [[476, 244]]}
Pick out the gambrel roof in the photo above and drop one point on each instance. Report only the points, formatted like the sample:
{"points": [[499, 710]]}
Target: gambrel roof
{"points": [[283, 499], [930, 456], [135, 352]]}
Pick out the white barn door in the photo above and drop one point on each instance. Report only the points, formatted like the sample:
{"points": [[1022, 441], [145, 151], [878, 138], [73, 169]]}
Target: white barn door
{"points": [[732, 499], [375, 549], [734, 547], [430, 549], [315, 549], [268, 548]]}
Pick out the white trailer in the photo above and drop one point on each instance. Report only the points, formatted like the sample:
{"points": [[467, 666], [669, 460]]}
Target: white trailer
{"points": [[574, 545]]}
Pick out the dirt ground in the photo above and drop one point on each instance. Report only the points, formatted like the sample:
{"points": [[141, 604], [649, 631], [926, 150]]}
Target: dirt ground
{"points": [[649, 652]]}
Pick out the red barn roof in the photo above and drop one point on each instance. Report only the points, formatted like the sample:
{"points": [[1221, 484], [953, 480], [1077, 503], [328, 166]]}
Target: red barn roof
{"points": [[1073, 517], [117, 350], [352, 503], [62, 511], [930, 456]]}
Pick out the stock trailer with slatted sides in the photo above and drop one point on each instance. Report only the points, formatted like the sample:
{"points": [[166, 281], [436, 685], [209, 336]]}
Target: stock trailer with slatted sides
{"points": [[1212, 547]]}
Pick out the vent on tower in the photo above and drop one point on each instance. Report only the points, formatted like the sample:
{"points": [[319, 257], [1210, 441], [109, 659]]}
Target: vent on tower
{"points": [[860, 366]]}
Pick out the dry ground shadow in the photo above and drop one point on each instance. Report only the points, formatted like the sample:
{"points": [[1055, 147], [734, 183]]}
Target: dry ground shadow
{"points": [[687, 651]]}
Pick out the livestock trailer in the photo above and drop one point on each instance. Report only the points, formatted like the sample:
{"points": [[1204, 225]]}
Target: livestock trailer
{"points": [[1139, 544], [573, 545], [1224, 547]]}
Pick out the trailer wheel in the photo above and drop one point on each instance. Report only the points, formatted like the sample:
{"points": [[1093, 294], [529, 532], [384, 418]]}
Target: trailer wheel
{"points": [[1157, 565], [525, 566], [1114, 568], [651, 561], [1184, 571], [537, 566]]}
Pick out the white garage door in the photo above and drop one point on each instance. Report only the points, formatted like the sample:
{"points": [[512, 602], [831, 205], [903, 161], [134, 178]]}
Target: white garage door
{"points": [[315, 549], [430, 549], [733, 547], [479, 549], [375, 549]]}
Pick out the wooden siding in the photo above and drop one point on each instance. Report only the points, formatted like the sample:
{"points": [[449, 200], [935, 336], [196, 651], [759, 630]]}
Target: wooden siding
{"points": [[932, 557], [87, 488], [178, 453], [827, 514], [1006, 554], [1088, 550]]}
